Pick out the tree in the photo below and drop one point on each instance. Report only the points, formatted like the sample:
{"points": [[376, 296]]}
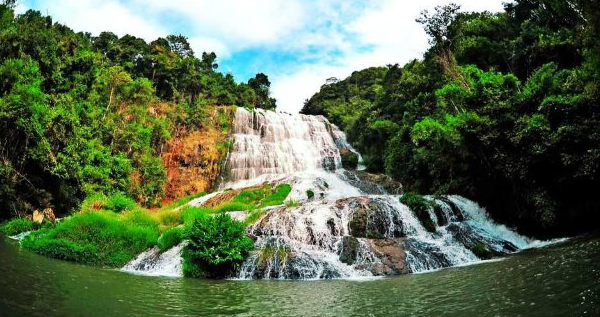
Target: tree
{"points": [[260, 84]]}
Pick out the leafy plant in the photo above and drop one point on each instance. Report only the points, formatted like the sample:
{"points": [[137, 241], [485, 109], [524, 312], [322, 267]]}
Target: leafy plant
{"points": [[216, 245]]}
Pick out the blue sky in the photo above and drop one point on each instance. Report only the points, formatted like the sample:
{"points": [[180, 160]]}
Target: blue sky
{"points": [[297, 43]]}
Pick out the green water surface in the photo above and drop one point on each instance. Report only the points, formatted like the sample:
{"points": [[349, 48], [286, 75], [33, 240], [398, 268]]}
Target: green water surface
{"points": [[561, 280]]}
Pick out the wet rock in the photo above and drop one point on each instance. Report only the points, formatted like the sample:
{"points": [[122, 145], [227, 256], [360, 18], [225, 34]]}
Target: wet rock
{"points": [[391, 255], [349, 250], [373, 184], [423, 256], [481, 244]]}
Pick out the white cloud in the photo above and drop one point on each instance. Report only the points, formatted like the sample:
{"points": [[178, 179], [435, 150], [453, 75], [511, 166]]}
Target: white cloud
{"points": [[326, 37], [96, 16], [388, 27], [239, 23]]}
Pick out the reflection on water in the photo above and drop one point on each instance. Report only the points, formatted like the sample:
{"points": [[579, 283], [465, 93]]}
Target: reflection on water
{"points": [[561, 280]]}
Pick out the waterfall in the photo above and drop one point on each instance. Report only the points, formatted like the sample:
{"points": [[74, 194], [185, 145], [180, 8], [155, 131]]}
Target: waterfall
{"points": [[345, 230]]}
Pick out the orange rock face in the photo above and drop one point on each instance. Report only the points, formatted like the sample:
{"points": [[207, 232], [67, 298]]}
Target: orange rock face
{"points": [[193, 159]]}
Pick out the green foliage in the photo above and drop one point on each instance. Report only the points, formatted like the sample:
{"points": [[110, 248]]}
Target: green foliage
{"points": [[17, 225], [170, 238], [82, 115], [420, 208], [216, 246], [349, 159], [501, 109], [98, 238], [119, 202]]}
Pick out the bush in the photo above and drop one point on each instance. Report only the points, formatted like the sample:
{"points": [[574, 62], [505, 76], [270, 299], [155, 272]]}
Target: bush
{"points": [[98, 238], [310, 194], [119, 202], [17, 225], [349, 159], [216, 245], [420, 208], [170, 238]]}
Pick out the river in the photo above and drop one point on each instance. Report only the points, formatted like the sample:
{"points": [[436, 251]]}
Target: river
{"points": [[559, 280]]}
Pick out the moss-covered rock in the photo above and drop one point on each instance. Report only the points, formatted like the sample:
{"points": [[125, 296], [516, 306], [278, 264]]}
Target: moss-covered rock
{"points": [[420, 208], [349, 159]]}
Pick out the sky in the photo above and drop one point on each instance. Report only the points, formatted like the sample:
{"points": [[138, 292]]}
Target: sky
{"points": [[297, 43]]}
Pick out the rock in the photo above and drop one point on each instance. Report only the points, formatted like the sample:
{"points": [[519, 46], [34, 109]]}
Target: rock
{"points": [[479, 242], [49, 214], [349, 250], [38, 216], [373, 184], [391, 255]]}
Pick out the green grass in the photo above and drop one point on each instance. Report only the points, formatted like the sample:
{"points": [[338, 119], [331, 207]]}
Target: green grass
{"points": [[292, 203], [182, 201], [254, 216], [18, 225], [99, 238], [170, 238]]}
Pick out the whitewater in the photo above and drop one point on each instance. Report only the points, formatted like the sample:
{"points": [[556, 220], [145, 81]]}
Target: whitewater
{"points": [[352, 228]]}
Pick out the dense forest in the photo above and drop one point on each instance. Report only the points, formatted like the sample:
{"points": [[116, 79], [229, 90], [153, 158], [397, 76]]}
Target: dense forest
{"points": [[83, 114], [503, 108]]}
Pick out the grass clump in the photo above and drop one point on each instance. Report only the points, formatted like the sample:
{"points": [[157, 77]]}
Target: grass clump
{"points": [[170, 238], [99, 238], [263, 196], [119, 202], [216, 246], [420, 208], [18, 225]]}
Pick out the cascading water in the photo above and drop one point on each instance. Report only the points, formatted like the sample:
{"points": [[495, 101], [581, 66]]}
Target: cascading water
{"points": [[350, 228]]}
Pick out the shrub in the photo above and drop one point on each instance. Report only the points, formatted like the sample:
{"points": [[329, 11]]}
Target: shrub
{"points": [[17, 225], [420, 208], [310, 194], [170, 238], [119, 202], [98, 238], [349, 159], [216, 245]]}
